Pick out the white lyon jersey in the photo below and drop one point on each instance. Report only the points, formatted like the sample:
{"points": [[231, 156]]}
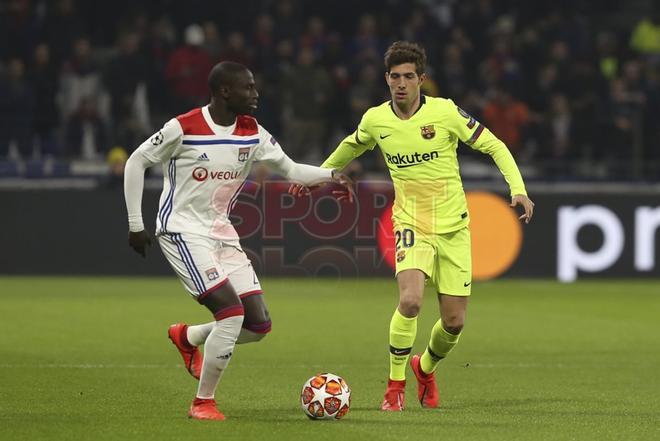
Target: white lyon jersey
{"points": [[205, 166]]}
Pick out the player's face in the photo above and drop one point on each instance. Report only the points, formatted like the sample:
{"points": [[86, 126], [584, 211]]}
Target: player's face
{"points": [[243, 97], [404, 83]]}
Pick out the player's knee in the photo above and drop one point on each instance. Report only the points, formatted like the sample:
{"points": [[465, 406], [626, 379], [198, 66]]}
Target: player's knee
{"points": [[259, 330], [409, 307], [453, 324]]}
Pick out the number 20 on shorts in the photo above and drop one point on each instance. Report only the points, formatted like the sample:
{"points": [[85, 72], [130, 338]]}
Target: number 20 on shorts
{"points": [[404, 238]]}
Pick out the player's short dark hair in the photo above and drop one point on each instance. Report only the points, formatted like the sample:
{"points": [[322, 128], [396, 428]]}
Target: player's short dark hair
{"points": [[401, 52], [224, 73]]}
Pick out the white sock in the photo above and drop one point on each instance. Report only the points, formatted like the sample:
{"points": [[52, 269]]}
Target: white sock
{"points": [[218, 350], [197, 334]]}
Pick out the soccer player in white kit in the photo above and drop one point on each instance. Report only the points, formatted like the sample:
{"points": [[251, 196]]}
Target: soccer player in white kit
{"points": [[206, 155]]}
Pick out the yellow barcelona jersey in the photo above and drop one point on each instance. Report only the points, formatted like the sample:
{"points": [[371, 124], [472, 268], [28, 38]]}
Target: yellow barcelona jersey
{"points": [[420, 154]]}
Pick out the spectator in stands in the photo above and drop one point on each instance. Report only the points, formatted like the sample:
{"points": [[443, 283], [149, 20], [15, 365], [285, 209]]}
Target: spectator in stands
{"points": [[80, 80], [158, 47], [288, 16], [212, 43], [18, 29], [645, 38], [452, 76], [63, 25], [43, 77], [507, 117], [126, 81], [188, 69], [366, 46], [621, 117], [236, 50], [315, 36], [17, 110], [556, 134], [86, 132], [263, 41], [307, 90]]}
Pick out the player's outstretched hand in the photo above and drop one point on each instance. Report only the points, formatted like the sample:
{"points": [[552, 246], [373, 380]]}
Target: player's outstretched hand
{"points": [[528, 205], [348, 193], [299, 190], [139, 241]]}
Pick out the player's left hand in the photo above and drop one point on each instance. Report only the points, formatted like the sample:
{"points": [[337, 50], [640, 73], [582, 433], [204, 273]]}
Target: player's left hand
{"points": [[299, 190], [139, 241], [348, 193], [528, 205]]}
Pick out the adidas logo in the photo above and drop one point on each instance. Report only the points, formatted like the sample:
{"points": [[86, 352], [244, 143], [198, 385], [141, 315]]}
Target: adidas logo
{"points": [[203, 157]]}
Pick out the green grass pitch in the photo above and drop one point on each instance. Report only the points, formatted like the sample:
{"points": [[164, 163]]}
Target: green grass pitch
{"points": [[88, 359]]}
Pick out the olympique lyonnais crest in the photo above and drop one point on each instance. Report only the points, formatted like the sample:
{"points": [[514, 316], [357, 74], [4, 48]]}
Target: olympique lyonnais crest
{"points": [[243, 153], [428, 132], [212, 274]]}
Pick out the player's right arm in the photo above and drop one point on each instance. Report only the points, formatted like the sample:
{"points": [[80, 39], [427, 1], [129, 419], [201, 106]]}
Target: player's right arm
{"points": [[155, 150]]}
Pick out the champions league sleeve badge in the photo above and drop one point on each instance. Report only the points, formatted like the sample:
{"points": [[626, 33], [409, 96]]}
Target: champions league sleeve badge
{"points": [[157, 139]]}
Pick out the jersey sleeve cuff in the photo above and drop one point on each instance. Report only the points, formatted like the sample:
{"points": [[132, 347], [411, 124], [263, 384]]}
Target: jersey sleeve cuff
{"points": [[135, 224]]}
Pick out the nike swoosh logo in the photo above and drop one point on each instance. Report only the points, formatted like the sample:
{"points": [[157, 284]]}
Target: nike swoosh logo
{"points": [[409, 165], [467, 284], [386, 136]]}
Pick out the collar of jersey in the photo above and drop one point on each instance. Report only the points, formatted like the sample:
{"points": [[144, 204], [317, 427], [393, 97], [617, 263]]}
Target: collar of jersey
{"points": [[217, 129], [422, 101]]}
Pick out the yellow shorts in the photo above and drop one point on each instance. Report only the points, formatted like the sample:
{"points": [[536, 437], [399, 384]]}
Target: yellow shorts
{"points": [[446, 259]]}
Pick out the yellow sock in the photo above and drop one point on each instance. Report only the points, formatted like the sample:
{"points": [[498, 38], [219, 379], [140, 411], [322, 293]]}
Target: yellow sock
{"points": [[402, 336], [441, 343]]}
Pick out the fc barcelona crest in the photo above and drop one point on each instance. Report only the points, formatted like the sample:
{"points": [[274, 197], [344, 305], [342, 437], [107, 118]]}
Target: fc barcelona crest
{"points": [[428, 132], [243, 153]]}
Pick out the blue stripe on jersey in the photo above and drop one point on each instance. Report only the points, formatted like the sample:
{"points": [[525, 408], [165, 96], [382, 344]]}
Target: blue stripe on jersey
{"points": [[168, 209], [189, 262], [187, 265], [220, 141], [162, 209]]}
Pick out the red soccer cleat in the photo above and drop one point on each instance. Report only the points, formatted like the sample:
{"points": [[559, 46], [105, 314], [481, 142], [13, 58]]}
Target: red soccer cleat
{"points": [[192, 358], [427, 390], [394, 395], [204, 409]]}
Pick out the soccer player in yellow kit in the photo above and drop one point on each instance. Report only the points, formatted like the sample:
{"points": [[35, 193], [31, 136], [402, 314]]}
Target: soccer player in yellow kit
{"points": [[418, 136]]}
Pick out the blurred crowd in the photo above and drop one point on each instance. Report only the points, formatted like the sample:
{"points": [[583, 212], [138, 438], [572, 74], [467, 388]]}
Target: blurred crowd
{"points": [[573, 88]]}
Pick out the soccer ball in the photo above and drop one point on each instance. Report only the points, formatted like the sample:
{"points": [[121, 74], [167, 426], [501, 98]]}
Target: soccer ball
{"points": [[325, 397]]}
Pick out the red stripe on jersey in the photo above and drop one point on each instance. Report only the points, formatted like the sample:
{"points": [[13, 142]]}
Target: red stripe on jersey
{"points": [[193, 123], [245, 126]]}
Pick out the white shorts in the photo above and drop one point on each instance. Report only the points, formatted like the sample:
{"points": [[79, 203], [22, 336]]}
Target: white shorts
{"points": [[204, 264]]}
